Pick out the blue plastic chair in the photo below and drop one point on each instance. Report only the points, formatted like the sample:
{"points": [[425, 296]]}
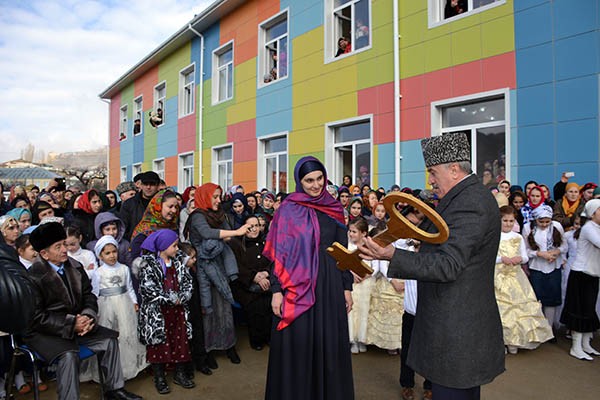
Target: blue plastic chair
{"points": [[20, 349]]}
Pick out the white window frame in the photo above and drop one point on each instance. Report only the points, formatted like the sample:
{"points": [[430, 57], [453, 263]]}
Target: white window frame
{"points": [[160, 102], [123, 174], [435, 11], [216, 163], [185, 170], [263, 156], [138, 109], [330, 156], [160, 172], [187, 91], [263, 53], [437, 129], [136, 169], [331, 35], [215, 71], [123, 122]]}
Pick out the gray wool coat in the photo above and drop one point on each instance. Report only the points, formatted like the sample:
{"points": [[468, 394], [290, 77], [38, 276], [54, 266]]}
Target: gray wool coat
{"points": [[457, 336]]}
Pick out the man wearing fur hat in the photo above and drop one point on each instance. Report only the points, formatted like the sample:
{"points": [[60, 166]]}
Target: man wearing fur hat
{"points": [[65, 317], [457, 335]]}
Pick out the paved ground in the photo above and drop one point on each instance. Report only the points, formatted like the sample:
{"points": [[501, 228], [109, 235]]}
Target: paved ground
{"points": [[547, 373]]}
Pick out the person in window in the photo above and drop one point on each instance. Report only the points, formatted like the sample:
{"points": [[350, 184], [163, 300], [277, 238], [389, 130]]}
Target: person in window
{"points": [[361, 34], [156, 118], [344, 46], [455, 7], [122, 137], [137, 126]]}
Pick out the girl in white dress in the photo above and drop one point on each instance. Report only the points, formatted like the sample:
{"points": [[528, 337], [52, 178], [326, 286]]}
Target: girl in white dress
{"points": [[358, 317], [117, 305]]}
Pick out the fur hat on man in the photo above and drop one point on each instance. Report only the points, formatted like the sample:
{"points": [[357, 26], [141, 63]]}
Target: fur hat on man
{"points": [[46, 235], [444, 149]]}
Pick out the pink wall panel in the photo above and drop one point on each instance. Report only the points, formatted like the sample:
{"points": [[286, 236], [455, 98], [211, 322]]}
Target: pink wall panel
{"points": [[379, 101], [113, 131], [414, 124], [186, 134], [467, 79], [499, 71], [243, 134], [413, 92], [145, 86]]}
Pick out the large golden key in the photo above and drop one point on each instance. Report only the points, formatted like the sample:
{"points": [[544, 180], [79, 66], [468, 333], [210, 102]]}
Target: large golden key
{"points": [[397, 227]]}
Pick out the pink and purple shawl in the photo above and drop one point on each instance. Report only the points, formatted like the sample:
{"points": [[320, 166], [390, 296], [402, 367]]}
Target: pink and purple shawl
{"points": [[293, 245]]}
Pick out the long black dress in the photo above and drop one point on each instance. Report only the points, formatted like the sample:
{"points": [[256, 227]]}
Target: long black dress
{"points": [[310, 359]]}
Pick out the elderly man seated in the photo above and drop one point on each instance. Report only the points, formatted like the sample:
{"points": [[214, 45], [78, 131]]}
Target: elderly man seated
{"points": [[65, 317]]}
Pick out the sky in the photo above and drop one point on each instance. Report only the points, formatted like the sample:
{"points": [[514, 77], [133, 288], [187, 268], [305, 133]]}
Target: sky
{"points": [[56, 56]]}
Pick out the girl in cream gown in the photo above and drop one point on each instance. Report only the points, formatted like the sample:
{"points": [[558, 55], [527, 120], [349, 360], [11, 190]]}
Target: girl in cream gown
{"points": [[523, 323]]}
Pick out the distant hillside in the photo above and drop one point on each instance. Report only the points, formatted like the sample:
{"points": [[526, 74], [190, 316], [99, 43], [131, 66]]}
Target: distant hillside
{"points": [[79, 159]]}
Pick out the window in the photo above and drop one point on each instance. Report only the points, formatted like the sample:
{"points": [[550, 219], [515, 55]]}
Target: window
{"points": [[158, 166], [273, 54], [157, 116], [275, 164], [483, 120], [352, 150], [186, 91], [123, 175], [123, 123], [136, 169], [445, 10], [223, 73], [138, 109], [186, 171], [348, 26], [223, 166]]}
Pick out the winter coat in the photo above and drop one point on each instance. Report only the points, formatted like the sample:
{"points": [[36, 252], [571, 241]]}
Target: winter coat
{"points": [[103, 218]]}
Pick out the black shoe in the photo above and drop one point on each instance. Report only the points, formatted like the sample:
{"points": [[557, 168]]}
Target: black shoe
{"points": [[181, 378], [256, 347], [160, 382], [211, 362], [204, 369], [233, 355], [121, 394]]}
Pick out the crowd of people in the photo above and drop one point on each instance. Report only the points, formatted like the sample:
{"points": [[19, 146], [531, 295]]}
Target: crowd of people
{"points": [[169, 272]]}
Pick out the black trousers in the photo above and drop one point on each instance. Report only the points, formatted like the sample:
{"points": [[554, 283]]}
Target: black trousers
{"points": [[447, 393], [407, 375]]}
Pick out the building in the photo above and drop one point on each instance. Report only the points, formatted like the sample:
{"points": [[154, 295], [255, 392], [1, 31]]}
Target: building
{"points": [[246, 88]]}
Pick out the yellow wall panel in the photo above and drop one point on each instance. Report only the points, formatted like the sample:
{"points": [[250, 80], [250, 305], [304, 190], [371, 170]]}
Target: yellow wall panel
{"points": [[245, 81], [206, 163], [307, 141], [466, 45], [376, 72], [412, 61], [412, 28], [308, 43], [438, 53], [498, 36], [241, 111], [169, 69]]}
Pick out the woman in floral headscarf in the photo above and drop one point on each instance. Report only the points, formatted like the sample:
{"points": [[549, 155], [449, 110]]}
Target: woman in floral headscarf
{"points": [[162, 213]]}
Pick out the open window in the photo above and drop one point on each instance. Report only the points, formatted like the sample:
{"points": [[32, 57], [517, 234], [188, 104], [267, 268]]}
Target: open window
{"points": [[442, 11], [123, 122], [138, 109], [273, 49], [222, 82], [186, 90], [351, 142], [347, 27], [157, 116]]}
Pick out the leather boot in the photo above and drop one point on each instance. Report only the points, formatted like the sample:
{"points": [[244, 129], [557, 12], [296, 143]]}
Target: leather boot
{"points": [[181, 377], [160, 382], [233, 355], [576, 349], [210, 361]]}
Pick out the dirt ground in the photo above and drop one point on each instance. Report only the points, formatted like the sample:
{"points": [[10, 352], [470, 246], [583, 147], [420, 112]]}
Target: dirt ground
{"points": [[547, 373]]}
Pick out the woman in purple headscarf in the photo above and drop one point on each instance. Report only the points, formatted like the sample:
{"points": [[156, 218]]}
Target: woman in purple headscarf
{"points": [[310, 350]]}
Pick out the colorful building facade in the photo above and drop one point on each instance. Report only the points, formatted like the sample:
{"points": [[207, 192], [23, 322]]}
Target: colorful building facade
{"points": [[248, 87]]}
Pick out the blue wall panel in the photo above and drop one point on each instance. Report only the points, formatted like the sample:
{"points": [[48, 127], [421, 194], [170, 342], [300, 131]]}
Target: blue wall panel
{"points": [[166, 140], [412, 156], [535, 105], [574, 17], [541, 173], [413, 180], [524, 4], [533, 26], [577, 98], [305, 15], [211, 42], [138, 148], [534, 65], [574, 56], [536, 144], [577, 141]]}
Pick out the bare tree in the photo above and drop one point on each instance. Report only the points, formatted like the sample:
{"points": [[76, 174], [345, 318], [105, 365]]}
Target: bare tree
{"points": [[88, 177]]}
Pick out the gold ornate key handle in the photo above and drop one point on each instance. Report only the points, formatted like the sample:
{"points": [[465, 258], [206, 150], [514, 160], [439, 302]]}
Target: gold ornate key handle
{"points": [[347, 259], [397, 227]]}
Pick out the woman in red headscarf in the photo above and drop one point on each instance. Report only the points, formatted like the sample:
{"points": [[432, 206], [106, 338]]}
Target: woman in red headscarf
{"points": [[85, 209], [216, 270]]}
